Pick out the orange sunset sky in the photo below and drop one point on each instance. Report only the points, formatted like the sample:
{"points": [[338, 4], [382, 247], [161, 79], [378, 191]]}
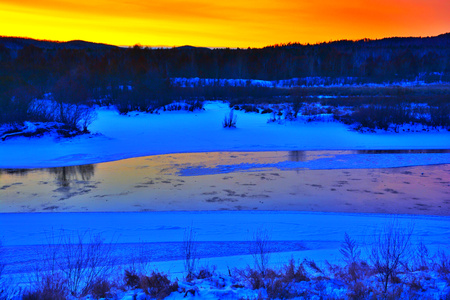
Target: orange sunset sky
{"points": [[229, 23]]}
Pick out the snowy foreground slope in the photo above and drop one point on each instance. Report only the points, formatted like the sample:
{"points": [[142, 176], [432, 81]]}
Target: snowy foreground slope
{"points": [[116, 137], [319, 234]]}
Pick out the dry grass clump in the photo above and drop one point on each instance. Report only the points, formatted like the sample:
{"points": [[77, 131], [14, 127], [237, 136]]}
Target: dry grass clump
{"points": [[442, 265], [157, 285], [50, 287], [230, 120], [278, 284], [101, 288], [131, 279], [190, 253]]}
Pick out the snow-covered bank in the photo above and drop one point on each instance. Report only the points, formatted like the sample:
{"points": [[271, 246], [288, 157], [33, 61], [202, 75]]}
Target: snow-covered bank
{"points": [[320, 233], [117, 137], [301, 82]]}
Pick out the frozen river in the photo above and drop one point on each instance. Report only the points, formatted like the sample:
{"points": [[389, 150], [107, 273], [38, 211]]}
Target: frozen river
{"points": [[393, 182]]}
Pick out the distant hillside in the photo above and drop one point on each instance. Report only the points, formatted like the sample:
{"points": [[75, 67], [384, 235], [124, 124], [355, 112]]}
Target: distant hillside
{"points": [[191, 48], [17, 43], [442, 40]]}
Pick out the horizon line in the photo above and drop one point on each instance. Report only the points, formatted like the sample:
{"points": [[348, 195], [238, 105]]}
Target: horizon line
{"points": [[224, 47]]}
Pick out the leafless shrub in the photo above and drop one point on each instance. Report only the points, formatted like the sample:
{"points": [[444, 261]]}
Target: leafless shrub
{"points": [[49, 287], [219, 282], [209, 273], [195, 105], [294, 273], [260, 250], [230, 120], [313, 109], [205, 272], [47, 277], [353, 273], [297, 105], [313, 266], [391, 246], [272, 274], [101, 288], [252, 277], [76, 116], [350, 250], [85, 259], [131, 279], [355, 269], [279, 289], [280, 285], [358, 290], [415, 284], [42, 110], [442, 265], [157, 285], [422, 257], [76, 261], [87, 116], [190, 253], [273, 117], [360, 270], [395, 293]]}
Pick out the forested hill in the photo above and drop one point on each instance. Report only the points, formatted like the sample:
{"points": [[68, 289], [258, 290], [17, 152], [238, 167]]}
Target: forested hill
{"points": [[17, 43], [442, 40], [390, 59]]}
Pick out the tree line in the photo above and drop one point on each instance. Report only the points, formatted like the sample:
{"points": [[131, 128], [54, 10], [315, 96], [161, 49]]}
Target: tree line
{"points": [[78, 72]]}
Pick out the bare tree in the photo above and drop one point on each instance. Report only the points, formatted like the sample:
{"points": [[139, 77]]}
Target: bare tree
{"points": [[86, 258], [391, 247], [71, 93], [260, 249], [74, 262], [43, 111], [190, 252]]}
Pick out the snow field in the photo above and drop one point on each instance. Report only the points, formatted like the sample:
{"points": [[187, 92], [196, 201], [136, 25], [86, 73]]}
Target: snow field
{"points": [[321, 233], [117, 137]]}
